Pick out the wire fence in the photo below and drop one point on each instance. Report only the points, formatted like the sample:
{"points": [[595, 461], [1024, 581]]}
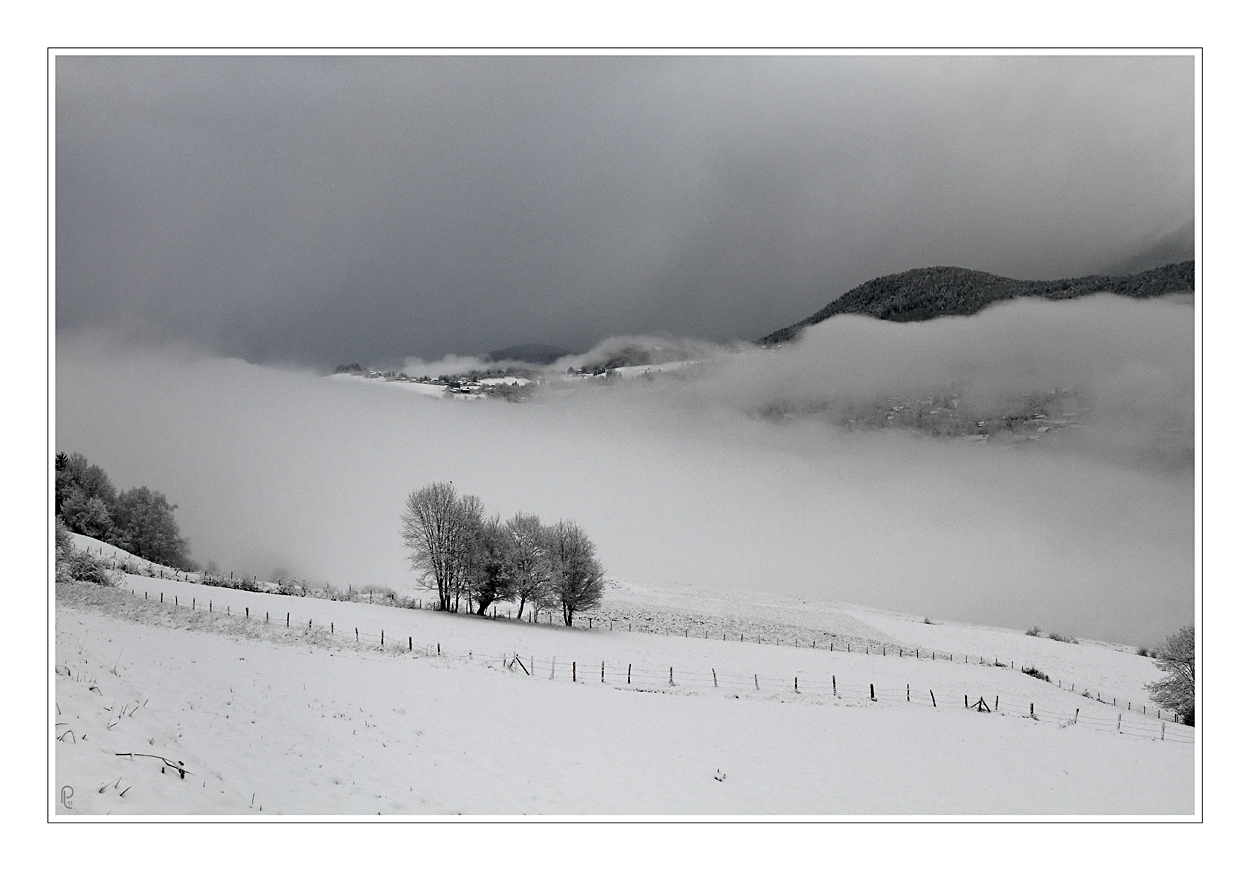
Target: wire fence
{"points": [[692, 628], [1134, 720], [835, 643]]}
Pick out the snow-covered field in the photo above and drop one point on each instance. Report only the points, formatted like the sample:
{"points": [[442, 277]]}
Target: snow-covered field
{"points": [[483, 716]]}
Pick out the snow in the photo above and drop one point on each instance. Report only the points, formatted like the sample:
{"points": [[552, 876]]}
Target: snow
{"points": [[270, 719], [435, 390]]}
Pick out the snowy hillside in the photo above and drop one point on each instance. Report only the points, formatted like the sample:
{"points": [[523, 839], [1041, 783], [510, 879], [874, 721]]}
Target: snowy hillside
{"points": [[334, 714]]}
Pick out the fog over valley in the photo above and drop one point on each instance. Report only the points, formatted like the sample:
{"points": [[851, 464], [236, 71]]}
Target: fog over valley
{"points": [[862, 463]]}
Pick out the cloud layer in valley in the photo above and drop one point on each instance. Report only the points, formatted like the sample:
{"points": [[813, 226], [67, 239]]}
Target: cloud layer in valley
{"points": [[683, 481]]}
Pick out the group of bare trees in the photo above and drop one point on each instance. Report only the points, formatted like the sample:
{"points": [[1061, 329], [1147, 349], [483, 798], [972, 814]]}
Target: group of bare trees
{"points": [[481, 561]]}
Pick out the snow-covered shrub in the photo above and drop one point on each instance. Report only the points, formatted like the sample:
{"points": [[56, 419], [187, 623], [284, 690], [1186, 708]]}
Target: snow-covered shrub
{"points": [[1177, 692], [1034, 632], [74, 565], [1034, 673]]}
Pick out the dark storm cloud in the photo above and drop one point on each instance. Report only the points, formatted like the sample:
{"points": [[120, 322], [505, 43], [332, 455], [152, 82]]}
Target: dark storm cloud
{"points": [[323, 209]]}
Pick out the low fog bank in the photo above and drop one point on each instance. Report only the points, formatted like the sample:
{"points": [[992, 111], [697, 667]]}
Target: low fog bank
{"points": [[683, 482], [1126, 366], [636, 349], [644, 349]]}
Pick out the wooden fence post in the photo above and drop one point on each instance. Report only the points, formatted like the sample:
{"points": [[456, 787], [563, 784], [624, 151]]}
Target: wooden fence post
{"points": [[670, 677], [601, 670], [574, 672], [796, 685], [872, 693], [909, 692], [934, 698], [629, 674], [714, 683], [835, 683]]}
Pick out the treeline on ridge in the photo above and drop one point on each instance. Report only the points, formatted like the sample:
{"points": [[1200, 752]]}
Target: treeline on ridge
{"points": [[140, 520], [928, 293]]}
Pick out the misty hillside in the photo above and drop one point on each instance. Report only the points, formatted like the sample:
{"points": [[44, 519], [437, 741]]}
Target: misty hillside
{"points": [[931, 292], [533, 353]]}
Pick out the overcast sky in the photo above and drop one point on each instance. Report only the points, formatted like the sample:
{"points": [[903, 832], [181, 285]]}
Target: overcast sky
{"points": [[320, 210]]}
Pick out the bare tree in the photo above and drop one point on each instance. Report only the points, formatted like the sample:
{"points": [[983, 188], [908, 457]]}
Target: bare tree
{"points": [[1177, 692], [440, 529], [577, 576], [529, 572], [491, 582]]}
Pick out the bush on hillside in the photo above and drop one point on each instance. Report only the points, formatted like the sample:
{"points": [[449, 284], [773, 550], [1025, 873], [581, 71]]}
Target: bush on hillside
{"points": [[79, 565], [1034, 673]]}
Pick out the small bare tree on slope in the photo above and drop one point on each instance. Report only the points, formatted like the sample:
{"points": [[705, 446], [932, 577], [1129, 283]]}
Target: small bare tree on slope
{"points": [[440, 529], [529, 571], [577, 576]]}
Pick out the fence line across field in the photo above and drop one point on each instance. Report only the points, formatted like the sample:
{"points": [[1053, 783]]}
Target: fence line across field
{"points": [[1095, 696], [1125, 722]]}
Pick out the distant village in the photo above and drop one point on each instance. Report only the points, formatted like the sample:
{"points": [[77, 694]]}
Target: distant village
{"points": [[513, 383], [1026, 418]]}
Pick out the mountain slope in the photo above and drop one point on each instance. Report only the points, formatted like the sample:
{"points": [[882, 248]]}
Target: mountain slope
{"points": [[927, 293], [533, 353]]}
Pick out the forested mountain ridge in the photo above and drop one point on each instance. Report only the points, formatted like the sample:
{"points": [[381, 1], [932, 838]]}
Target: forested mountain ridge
{"points": [[927, 293]]}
